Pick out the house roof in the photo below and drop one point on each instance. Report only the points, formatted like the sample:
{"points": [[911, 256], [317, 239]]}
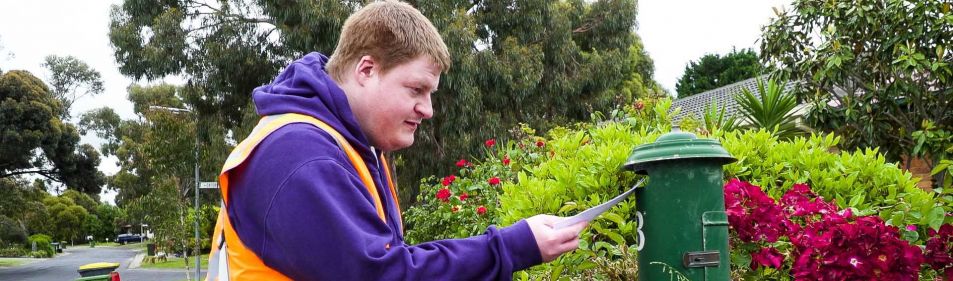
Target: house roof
{"points": [[695, 105]]}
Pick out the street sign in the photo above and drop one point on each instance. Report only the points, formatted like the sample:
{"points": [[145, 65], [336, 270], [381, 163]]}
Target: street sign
{"points": [[208, 184]]}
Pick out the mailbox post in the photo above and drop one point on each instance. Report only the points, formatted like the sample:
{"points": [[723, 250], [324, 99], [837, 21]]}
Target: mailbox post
{"points": [[682, 209]]}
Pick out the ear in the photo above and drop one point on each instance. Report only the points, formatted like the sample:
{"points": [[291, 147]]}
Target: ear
{"points": [[365, 69]]}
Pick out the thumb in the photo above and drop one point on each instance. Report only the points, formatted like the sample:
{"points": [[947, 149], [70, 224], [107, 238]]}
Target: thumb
{"points": [[570, 232]]}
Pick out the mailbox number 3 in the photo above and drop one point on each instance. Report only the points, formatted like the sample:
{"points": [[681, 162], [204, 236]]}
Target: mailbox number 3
{"points": [[638, 230]]}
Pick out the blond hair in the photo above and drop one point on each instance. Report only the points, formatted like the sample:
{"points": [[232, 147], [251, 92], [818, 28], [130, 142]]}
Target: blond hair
{"points": [[392, 33]]}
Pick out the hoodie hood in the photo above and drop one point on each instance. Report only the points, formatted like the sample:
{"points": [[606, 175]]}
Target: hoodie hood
{"points": [[304, 87]]}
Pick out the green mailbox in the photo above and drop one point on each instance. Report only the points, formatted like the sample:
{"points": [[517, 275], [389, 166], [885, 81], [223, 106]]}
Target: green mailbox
{"points": [[682, 210]]}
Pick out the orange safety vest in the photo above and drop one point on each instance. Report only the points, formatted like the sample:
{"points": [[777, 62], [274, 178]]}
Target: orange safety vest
{"points": [[229, 258]]}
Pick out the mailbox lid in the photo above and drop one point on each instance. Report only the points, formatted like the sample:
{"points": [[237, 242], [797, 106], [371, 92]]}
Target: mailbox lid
{"points": [[677, 145]]}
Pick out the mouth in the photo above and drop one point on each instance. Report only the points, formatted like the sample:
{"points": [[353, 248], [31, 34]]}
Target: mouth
{"points": [[412, 124]]}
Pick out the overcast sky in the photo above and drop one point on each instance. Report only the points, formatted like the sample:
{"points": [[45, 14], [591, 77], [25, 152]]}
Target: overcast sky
{"points": [[674, 32]]}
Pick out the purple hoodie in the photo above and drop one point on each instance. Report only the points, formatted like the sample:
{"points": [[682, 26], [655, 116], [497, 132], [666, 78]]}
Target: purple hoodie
{"points": [[298, 203]]}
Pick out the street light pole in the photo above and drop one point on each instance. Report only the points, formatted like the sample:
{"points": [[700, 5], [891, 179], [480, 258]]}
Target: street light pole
{"points": [[198, 247], [198, 240]]}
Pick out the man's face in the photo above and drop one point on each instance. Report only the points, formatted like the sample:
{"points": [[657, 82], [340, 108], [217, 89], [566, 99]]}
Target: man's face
{"points": [[390, 107]]}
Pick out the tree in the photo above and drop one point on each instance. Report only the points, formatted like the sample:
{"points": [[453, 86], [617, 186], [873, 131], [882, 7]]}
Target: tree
{"points": [[70, 80], [36, 141], [66, 217], [82, 200], [157, 144], [535, 62], [773, 110], [712, 71], [110, 218], [876, 71]]}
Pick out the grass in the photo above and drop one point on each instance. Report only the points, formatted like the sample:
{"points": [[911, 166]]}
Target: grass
{"points": [[8, 262], [141, 245], [106, 244], [174, 262]]}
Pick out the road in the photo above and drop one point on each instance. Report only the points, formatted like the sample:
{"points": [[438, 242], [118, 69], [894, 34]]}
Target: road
{"points": [[63, 266]]}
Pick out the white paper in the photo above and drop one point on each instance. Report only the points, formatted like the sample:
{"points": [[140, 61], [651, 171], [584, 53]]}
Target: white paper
{"points": [[594, 212]]}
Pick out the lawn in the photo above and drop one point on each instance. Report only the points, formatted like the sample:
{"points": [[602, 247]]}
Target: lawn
{"points": [[8, 262], [174, 262]]}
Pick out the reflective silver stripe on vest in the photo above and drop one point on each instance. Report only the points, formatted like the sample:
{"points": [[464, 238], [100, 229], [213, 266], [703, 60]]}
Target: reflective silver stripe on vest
{"points": [[219, 260]]}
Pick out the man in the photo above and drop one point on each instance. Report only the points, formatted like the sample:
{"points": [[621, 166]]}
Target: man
{"points": [[308, 195]]}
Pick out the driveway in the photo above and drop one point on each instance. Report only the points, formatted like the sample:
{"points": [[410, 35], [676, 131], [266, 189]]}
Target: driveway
{"points": [[63, 266]]}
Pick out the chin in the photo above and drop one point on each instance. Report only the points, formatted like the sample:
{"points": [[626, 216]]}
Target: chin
{"points": [[398, 145]]}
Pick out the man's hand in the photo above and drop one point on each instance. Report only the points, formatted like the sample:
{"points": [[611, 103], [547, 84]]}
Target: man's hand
{"points": [[554, 242]]}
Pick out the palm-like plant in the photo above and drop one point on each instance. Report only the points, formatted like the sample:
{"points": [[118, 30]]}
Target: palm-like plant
{"points": [[774, 110], [715, 118]]}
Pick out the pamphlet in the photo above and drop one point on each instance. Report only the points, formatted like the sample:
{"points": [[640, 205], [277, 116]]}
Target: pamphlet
{"points": [[592, 213]]}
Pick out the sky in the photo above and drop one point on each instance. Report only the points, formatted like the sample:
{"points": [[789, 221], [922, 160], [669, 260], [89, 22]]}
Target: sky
{"points": [[674, 32]]}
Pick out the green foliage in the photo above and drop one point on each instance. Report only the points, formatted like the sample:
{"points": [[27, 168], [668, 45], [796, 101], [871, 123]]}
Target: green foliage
{"points": [[531, 61], [714, 119], [82, 200], [772, 110], [70, 80], [110, 218], [580, 168], [29, 121], [165, 211], [66, 218], [13, 251], [862, 180], [874, 69], [434, 219], [11, 232], [43, 245], [158, 143], [712, 71], [40, 254]]}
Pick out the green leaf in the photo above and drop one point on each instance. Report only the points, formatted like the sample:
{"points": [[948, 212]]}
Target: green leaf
{"points": [[557, 271], [935, 218]]}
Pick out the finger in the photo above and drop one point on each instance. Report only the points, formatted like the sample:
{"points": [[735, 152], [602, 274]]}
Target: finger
{"points": [[566, 234], [569, 245]]}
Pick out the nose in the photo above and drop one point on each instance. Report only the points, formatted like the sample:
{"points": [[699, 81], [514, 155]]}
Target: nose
{"points": [[424, 108]]}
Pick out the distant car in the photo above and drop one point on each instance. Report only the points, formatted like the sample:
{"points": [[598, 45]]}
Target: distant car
{"points": [[126, 238]]}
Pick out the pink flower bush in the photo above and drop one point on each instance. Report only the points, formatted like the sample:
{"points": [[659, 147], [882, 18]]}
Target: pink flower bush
{"points": [[939, 249], [825, 243]]}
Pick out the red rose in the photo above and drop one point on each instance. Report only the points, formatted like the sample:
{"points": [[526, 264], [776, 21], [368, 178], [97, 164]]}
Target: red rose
{"points": [[494, 181], [540, 143], [448, 180], [443, 194], [464, 196], [481, 210], [490, 142], [506, 160], [462, 163]]}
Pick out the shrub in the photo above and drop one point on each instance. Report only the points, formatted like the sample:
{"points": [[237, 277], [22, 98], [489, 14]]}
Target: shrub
{"points": [[43, 244], [861, 180], [40, 254], [11, 232], [14, 250], [807, 238], [578, 167]]}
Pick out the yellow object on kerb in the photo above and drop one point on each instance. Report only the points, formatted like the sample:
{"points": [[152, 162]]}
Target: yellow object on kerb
{"points": [[98, 265]]}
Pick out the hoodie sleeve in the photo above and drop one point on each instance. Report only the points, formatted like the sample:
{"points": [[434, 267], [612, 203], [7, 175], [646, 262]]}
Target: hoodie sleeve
{"points": [[321, 226]]}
